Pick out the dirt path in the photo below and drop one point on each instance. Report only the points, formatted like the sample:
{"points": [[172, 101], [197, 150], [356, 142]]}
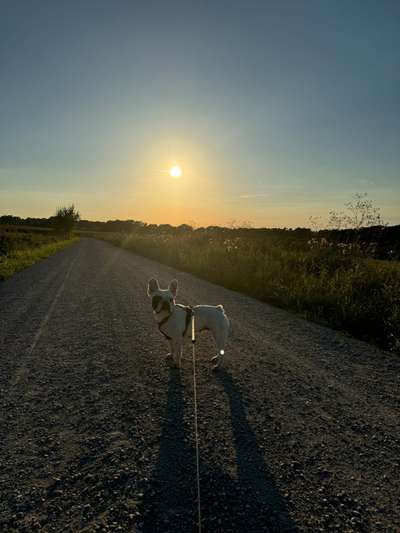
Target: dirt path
{"points": [[300, 431]]}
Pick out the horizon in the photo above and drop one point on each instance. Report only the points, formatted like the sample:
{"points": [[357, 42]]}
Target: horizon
{"points": [[234, 225], [275, 111]]}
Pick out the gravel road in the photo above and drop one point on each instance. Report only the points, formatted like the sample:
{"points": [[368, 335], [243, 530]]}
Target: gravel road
{"points": [[299, 432]]}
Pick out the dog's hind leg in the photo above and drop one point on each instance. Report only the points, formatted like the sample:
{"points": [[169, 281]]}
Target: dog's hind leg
{"points": [[220, 337], [170, 355]]}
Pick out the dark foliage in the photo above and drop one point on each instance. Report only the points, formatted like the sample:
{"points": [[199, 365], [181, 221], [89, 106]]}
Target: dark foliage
{"points": [[379, 242]]}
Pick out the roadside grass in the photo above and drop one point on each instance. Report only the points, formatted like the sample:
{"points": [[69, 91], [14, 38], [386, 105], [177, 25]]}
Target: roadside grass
{"points": [[21, 247], [335, 287]]}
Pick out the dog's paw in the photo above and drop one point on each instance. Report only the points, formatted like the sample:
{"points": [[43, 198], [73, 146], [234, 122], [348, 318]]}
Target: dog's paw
{"points": [[216, 362]]}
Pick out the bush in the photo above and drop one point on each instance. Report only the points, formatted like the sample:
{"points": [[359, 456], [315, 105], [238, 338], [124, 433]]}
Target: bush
{"points": [[66, 218]]}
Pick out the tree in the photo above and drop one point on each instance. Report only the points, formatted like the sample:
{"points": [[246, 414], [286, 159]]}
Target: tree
{"points": [[65, 218]]}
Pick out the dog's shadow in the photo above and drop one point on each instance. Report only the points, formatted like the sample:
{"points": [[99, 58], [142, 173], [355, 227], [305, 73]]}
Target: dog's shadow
{"points": [[168, 502], [250, 503]]}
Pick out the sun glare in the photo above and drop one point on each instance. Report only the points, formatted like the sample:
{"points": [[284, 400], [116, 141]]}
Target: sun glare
{"points": [[175, 171]]}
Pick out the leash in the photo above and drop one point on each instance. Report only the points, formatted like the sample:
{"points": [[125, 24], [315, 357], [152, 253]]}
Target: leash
{"points": [[195, 425]]}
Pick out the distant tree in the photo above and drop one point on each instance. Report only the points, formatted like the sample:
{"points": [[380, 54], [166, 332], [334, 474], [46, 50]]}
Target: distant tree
{"points": [[10, 219], [184, 228], [360, 213], [66, 218]]}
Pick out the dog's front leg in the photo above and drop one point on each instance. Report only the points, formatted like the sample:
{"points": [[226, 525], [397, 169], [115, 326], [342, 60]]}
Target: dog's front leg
{"points": [[178, 352]]}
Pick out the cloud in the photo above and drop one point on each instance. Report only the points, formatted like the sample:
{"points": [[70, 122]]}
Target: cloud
{"points": [[260, 195]]}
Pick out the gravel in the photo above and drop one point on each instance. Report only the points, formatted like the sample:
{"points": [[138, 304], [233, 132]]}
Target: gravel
{"points": [[298, 432]]}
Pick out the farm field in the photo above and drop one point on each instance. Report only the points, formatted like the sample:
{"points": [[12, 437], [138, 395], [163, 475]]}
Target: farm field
{"points": [[298, 432]]}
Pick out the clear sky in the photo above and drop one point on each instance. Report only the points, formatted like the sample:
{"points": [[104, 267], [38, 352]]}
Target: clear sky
{"points": [[275, 110]]}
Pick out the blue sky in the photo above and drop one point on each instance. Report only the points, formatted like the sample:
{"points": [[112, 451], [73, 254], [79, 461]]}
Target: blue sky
{"points": [[275, 110]]}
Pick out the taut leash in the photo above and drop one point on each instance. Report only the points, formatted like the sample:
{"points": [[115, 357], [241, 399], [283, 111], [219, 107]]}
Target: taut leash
{"points": [[196, 432]]}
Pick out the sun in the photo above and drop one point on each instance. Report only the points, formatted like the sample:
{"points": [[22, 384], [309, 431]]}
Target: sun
{"points": [[175, 171]]}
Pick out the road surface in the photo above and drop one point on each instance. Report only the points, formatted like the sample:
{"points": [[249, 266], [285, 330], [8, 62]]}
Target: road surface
{"points": [[298, 432]]}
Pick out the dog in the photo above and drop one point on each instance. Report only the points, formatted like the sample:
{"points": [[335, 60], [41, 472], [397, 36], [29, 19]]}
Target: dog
{"points": [[174, 320]]}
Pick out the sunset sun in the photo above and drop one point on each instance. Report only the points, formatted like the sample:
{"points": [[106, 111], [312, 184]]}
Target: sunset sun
{"points": [[175, 171]]}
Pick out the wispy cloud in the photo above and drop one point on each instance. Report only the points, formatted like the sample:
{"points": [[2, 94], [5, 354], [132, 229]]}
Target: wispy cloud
{"points": [[259, 195]]}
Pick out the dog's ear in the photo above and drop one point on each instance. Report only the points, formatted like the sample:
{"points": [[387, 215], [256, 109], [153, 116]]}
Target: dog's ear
{"points": [[173, 287], [152, 286]]}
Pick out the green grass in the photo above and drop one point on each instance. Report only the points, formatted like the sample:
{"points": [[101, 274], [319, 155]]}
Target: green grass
{"points": [[325, 284], [21, 247]]}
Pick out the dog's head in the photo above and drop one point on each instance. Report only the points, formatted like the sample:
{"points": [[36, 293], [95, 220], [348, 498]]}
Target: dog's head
{"points": [[162, 299]]}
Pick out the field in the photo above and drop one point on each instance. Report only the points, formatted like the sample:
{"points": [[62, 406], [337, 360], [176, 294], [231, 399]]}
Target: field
{"points": [[334, 285], [22, 246]]}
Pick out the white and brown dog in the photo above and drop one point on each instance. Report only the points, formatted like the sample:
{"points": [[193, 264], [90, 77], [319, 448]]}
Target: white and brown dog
{"points": [[174, 320]]}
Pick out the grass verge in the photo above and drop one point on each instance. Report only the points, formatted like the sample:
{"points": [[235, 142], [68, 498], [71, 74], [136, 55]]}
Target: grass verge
{"points": [[18, 259]]}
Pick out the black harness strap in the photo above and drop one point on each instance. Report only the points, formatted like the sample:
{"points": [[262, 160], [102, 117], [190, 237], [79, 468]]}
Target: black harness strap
{"points": [[189, 314]]}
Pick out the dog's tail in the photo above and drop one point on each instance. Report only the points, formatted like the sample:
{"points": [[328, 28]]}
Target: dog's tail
{"points": [[225, 318]]}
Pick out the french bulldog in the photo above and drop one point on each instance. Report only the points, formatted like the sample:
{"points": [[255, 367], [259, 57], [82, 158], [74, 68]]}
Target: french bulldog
{"points": [[174, 320]]}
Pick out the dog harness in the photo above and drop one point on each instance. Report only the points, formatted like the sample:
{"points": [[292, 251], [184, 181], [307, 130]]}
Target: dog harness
{"points": [[189, 314]]}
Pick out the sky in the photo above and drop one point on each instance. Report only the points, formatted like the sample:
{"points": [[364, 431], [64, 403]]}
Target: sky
{"points": [[275, 110]]}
